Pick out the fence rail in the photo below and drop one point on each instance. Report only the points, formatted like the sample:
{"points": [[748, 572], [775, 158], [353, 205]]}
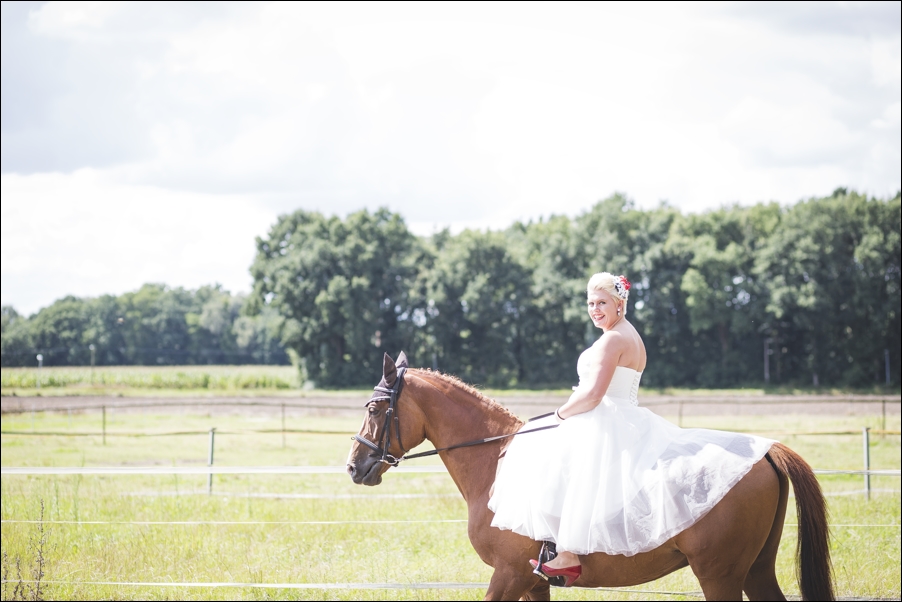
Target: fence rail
{"points": [[197, 470], [230, 523], [650, 402], [211, 470]]}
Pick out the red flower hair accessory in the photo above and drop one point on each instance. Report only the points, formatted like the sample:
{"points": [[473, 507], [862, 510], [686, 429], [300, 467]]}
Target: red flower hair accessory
{"points": [[622, 285]]}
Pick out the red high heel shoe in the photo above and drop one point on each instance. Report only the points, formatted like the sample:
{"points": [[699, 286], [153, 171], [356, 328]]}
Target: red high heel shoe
{"points": [[569, 574]]}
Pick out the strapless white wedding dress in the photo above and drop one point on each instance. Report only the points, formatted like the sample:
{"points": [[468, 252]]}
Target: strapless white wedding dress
{"points": [[617, 479]]}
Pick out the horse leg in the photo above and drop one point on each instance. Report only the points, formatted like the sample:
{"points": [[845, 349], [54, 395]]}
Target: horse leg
{"points": [[722, 589], [761, 582], [508, 584], [541, 591]]}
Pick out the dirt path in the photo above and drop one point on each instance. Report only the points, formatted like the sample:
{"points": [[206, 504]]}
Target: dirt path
{"points": [[527, 405]]}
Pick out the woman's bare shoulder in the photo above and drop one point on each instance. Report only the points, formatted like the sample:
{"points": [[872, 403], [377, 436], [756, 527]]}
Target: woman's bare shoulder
{"points": [[611, 337], [610, 341]]}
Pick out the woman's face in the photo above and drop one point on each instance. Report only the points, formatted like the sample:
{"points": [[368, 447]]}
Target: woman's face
{"points": [[602, 309]]}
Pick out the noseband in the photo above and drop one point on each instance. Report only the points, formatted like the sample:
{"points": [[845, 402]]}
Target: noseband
{"points": [[391, 417]]}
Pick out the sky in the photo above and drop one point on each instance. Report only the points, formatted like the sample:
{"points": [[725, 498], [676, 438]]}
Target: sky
{"points": [[152, 142]]}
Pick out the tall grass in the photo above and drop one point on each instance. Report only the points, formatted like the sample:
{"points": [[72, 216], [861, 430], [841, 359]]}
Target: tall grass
{"points": [[154, 377]]}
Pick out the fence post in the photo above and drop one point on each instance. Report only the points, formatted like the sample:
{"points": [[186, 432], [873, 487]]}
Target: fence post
{"points": [[104, 425], [866, 436], [283, 425], [680, 415], [92, 348], [210, 462]]}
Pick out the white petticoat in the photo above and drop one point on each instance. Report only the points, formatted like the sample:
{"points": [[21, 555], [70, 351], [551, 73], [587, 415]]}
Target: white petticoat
{"points": [[618, 479]]}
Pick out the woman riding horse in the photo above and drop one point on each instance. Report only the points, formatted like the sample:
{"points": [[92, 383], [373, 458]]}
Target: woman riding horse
{"points": [[636, 497], [615, 478]]}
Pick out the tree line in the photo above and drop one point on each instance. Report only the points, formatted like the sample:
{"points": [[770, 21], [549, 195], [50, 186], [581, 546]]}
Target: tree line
{"points": [[154, 325], [811, 290], [809, 294]]}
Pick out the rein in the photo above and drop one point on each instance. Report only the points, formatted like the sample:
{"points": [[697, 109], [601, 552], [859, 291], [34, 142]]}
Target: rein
{"points": [[391, 417]]}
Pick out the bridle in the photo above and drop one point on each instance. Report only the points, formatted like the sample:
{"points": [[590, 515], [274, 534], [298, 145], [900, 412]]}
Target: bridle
{"points": [[391, 417]]}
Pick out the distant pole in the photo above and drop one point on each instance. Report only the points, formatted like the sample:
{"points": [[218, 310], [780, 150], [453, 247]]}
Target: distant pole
{"points": [[40, 359], [210, 462], [434, 362], [92, 348], [886, 363], [104, 424], [865, 433], [283, 425], [767, 361]]}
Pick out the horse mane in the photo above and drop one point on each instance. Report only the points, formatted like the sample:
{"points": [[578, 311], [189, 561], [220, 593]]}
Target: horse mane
{"points": [[469, 389]]}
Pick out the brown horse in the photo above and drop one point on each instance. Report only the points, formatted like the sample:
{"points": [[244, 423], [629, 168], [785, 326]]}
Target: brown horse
{"points": [[731, 549]]}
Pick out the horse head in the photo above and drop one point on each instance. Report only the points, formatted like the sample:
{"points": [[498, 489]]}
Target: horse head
{"points": [[392, 425]]}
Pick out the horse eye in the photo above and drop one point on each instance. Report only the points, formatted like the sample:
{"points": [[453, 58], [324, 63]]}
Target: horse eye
{"points": [[373, 409]]}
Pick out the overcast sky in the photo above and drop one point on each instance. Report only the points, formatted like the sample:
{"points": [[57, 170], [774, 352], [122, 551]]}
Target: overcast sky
{"points": [[152, 142]]}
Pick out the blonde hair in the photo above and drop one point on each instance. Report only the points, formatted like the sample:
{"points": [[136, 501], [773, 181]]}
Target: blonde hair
{"points": [[604, 281]]}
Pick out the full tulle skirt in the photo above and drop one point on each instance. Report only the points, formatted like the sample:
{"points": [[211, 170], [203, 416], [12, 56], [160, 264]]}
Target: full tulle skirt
{"points": [[618, 479]]}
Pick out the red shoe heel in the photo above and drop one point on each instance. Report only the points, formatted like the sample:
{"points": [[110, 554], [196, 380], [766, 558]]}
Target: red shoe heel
{"points": [[569, 574]]}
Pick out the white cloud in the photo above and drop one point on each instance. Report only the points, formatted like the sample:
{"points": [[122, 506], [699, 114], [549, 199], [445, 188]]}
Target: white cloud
{"points": [[96, 236], [891, 118], [74, 20], [787, 134], [886, 61]]}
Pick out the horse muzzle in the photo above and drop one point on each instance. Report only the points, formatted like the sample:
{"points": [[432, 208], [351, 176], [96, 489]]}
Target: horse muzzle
{"points": [[368, 473]]}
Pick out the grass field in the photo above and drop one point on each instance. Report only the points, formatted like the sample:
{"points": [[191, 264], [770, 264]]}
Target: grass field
{"points": [[279, 548], [84, 380], [181, 381]]}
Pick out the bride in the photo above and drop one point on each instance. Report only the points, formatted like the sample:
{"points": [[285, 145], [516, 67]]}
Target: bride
{"points": [[614, 477]]}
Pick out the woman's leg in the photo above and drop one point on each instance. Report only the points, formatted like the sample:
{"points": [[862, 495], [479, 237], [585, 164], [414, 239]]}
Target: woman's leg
{"points": [[563, 560]]}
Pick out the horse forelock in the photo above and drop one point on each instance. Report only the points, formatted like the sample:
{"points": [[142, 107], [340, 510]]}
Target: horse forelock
{"points": [[460, 385]]}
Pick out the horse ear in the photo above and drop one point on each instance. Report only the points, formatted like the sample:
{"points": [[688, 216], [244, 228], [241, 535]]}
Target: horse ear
{"points": [[389, 371], [401, 362]]}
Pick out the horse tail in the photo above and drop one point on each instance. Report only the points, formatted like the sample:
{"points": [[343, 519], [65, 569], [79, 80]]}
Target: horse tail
{"points": [[813, 566]]}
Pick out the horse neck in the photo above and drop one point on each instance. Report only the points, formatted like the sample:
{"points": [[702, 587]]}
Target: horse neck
{"points": [[454, 415]]}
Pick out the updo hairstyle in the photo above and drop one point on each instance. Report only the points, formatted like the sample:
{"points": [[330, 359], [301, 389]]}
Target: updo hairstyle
{"points": [[604, 281]]}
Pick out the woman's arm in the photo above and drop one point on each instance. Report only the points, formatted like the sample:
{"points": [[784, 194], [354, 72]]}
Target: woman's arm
{"points": [[594, 384]]}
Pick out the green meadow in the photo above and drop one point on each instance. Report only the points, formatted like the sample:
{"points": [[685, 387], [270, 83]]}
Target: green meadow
{"points": [[284, 381], [103, 531], [83, 380]]}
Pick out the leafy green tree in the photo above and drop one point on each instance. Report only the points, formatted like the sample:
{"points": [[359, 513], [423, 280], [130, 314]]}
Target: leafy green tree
{"points": [[831, 298], [17, 347], [257, 337], [476, 294], [342, 287], [552, 320], [723, 299], [58, 332]]}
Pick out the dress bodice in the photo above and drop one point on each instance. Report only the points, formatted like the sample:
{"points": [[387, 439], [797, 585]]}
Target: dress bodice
{"points": [[624, 387]]}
